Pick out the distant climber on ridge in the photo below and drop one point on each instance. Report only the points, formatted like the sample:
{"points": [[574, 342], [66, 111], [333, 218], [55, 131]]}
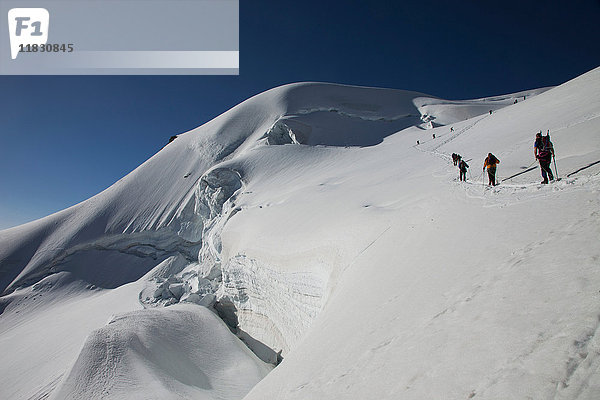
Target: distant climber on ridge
{"points": [[455, 158], [543, 150], [490, 162]]}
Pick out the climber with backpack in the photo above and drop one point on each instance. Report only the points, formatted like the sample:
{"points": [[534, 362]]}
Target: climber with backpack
{"points": [[490, 162], [455, 158], [543, 150], [462, 167]]}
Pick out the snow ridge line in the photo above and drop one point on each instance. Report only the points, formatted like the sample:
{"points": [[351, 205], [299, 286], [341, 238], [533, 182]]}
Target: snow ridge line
{"points": [[351, 115]]}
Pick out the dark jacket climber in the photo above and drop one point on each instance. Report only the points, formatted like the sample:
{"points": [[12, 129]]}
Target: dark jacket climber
{"points": [[455, 158], [544, 151], [462, 166]]}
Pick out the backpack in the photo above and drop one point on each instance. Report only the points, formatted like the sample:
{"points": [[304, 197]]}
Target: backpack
{"points": [[546, 143], [545, 151], [492, 160]]}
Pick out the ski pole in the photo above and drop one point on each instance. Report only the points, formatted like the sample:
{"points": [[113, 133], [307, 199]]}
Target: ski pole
{"points": [[553, 157], [483, 180]]}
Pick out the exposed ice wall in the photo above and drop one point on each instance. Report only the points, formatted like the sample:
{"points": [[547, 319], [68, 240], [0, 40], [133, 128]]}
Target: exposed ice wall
{"points": [[271, 306], [201, 221], [274, 307]]}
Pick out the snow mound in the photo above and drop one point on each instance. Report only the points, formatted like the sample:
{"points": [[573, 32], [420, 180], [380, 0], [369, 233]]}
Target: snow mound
{"points": [[179, 352]]}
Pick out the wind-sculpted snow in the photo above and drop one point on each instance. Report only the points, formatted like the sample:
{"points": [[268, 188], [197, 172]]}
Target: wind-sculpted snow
{"points": [[316, 127], [309, 220], [180, 352], [445, 112]]}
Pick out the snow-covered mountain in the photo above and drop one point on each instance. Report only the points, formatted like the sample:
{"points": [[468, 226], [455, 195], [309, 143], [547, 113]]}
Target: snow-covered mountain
{"points": [[309, 222]]}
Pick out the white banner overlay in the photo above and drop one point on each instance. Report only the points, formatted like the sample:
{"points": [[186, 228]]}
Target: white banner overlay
{"points": [[125, 37], [155, 59]]}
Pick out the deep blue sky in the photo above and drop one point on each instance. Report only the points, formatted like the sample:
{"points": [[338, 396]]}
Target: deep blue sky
{"points": [[66, 138]]}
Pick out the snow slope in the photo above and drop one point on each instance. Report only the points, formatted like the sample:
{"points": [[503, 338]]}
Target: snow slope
{"points": [[311, 221]]}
